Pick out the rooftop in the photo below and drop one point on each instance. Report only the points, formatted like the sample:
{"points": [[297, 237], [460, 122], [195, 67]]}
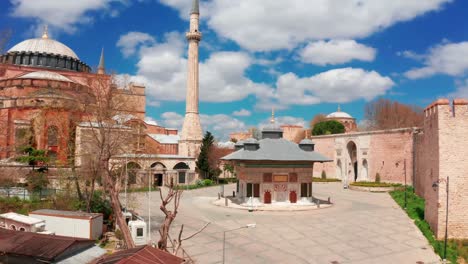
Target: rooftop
{"points": [[165, 139], [70, 214], [21, 218], [277, 150], [45, 248], [139, 255]]}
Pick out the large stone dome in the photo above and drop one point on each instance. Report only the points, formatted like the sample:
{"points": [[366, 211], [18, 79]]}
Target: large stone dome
{"points": [[44, 45], [44, 53]]}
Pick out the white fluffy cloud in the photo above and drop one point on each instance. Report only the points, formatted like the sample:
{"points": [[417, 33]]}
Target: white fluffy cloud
{"points": [[261, 25], [130, 42], [449, 58], [220, 125], [242, 112], [62, 15], [336, 52], [333, 86], [162, 67]]}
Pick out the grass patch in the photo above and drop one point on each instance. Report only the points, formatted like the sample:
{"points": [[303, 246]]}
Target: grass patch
{"points": [[317, 179], [376, 184], [415, 210]]}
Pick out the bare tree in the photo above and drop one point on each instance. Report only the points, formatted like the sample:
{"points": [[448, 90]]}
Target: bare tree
{"points": [[173, 195], [387, 114], [214, 158], [101, 139], [317, 119]]}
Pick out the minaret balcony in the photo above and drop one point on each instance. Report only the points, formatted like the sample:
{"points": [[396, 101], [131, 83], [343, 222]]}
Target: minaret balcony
{"points": [[193, 36]]}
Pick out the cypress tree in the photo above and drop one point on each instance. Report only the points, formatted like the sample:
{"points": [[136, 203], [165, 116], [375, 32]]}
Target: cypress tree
{"points": [[203, 165]]}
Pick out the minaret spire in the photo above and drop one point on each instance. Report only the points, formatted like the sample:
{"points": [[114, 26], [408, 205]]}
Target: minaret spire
{"points": [[195, 7], [192, 135], [101, 67], [272, 120]]}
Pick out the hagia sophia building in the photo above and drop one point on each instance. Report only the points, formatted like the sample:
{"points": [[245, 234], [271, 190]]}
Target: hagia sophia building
{"points": [[49, 97]]}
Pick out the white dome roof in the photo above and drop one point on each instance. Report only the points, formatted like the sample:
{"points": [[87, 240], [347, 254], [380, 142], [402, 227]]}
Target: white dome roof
{"points": [[339, 115], [44, 45]]}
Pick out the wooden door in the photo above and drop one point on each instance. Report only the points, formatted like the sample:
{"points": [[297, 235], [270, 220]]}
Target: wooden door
{"points": [[267, 197], [256, 190], [293, 197]]}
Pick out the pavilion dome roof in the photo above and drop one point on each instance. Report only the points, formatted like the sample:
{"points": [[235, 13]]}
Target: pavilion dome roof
{"points": [[44, 45], [339, 114]]}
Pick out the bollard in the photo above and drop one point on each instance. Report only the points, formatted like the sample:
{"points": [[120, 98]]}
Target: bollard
{"points": [[219, 196], [318, 203], [329, 200], [226, 201], [233, 193]]}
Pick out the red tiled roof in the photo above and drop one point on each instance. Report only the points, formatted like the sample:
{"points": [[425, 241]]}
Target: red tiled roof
{"points": [[40, 246], [140, 255]]}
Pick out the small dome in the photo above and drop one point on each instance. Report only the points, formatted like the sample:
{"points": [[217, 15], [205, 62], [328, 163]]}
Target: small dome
{"points": [[339, 115], [46, 75], [306, 142], [44, 45]]}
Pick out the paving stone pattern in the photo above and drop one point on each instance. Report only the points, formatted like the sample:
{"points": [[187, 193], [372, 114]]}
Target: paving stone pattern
{"points": [[360, 228]]}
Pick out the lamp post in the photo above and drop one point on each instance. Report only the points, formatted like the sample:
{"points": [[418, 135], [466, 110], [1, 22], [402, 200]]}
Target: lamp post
{"points": [[406, 199], [224, 236], [149, 205]]}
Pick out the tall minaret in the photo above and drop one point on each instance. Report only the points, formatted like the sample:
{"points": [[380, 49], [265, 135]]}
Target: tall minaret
{"points": [[192, 135]]}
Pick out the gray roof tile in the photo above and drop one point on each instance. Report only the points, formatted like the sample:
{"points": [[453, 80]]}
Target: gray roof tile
{"points": [[277, 150]]}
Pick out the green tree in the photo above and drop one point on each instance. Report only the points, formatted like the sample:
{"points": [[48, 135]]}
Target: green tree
{"points": [[328, 127], [33, 157], [203, 164]]}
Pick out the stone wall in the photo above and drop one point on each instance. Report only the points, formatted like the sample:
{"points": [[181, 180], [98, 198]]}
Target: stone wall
{"points": [[384, 152], [388, 153], [443, 153]]}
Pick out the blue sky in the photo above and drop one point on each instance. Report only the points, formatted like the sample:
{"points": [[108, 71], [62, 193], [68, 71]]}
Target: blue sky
{"points": [[302, 57]]}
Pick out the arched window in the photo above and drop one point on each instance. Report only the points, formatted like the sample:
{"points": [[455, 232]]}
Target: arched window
{"points": [[52, 136], [12, 227], [22, 229], [158, 166], [182, 168]]}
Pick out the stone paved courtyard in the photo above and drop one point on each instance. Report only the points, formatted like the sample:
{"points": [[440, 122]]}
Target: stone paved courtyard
{"points": [[360, 228]]}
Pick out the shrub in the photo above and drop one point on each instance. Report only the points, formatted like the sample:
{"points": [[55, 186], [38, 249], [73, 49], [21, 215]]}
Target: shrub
{"points": [[324, 175], [207, 182], [377, 178]]}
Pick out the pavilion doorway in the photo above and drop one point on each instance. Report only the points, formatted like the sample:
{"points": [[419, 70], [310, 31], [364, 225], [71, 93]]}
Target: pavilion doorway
{"points": [[352, 155]]}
